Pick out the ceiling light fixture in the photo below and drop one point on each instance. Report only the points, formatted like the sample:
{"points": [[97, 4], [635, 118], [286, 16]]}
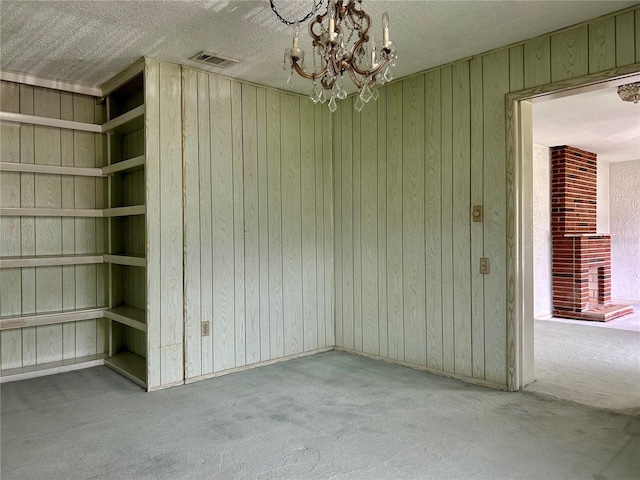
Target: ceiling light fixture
{"points": [[630, 92], [341, 44]]}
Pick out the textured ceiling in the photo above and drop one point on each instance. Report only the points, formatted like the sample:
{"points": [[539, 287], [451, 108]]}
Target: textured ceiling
{"points": [[597, 122], [90, 41]]}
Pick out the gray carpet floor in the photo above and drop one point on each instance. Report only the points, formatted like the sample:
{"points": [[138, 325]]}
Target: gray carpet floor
{"points": [[332, 415], [588, 364]]}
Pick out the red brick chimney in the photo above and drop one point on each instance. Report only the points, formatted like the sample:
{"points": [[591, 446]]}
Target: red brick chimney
{"points": [[581, 258]]}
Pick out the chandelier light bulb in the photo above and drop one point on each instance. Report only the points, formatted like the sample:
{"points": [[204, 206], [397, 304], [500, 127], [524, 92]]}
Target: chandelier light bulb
{"points": [[385, 29], [374, 64], [331, 12], [296, 35]]}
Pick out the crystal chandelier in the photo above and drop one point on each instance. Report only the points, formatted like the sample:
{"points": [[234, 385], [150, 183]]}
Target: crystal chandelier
{"points": [[341, 45], [630, 92]]}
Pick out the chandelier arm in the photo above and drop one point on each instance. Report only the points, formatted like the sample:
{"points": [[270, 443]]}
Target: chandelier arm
{"points": [[354, 51], [353, 13], [308, 76], [366, 73], [328, 82], [335, 63], [375, 71], [355, 80], [316, 21]]}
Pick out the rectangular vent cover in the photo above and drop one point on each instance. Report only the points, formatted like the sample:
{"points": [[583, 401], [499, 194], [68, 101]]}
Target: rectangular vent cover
{"points": [[215, 60]]}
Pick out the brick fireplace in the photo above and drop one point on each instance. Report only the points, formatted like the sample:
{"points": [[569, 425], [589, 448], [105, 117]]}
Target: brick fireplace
{"points": [[581, 258]]}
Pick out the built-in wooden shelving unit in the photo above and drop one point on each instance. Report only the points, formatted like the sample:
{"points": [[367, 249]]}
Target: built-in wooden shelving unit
{"points": [[51, 169], [128, 122], [85, 199], [125, 211], [48, 260], [125, 171], [129, 260], [49, 212], [126, 315], [120, 194], [44, 208], [129, 365], [130, 165], [73, 212], [49, 368], [49, 122], [49, 318]]}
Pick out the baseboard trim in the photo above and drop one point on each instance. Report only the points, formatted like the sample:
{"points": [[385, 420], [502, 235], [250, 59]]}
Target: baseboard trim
{"points": [[164, 387], [15, 374], [440, 373], [51, 368], [255, 365]]}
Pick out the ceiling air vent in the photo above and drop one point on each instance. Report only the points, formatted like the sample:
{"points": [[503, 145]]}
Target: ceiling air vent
{"points": [[214, 60]]}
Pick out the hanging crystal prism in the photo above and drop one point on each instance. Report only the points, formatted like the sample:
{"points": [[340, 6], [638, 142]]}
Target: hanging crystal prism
{"points": [[316, 92], [342, 93], [290, 80], [332, 104], [365, 93], [335, 90], [387, 75], [315, 60], [358, 104], [286, 64]]}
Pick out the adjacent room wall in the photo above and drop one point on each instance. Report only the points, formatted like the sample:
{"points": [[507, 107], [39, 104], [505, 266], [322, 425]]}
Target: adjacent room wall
{"points": [[258, 224], [602, 213], [407, 171], [625, 230], [542, 290]]}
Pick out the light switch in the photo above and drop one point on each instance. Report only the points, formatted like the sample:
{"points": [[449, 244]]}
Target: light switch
{"points": [[476, 213], [484, 266]]}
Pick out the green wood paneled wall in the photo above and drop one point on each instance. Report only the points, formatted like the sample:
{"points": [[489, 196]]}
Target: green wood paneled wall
{"points": [[53, 288], [164, 217], [258, 224], [407, 171]]}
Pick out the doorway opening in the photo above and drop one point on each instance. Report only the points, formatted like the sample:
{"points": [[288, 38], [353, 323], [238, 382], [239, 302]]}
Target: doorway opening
{"points": [[535, 338]]}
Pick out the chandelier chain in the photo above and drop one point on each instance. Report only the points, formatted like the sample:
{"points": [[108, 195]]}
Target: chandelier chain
{"points": [[292, 22]]}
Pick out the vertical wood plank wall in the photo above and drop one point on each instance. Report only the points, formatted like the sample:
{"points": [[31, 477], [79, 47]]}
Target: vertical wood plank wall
{"points": [[407, 254], [163, 169], [43, 289], [258, 224]]}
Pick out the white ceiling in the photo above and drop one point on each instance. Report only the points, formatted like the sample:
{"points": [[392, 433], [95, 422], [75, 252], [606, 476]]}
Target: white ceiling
{"points": [[597, 122], [90, 41]]}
